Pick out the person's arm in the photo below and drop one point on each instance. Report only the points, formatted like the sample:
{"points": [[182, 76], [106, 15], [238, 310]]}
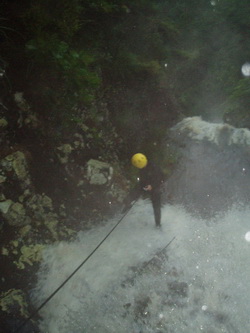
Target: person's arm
{"points": [[148, 188]]}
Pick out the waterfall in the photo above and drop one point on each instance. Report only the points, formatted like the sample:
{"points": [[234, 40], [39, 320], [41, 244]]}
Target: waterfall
{"points": [[199, 283], [218, 133], [214, 168]]}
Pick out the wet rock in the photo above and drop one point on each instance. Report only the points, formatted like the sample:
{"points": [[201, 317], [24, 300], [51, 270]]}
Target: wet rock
{"points": [[15, 167], [3, 123], [16, 215], [40, 208], [141, 306], [13, 304], [218, 133], [64, 153], [98, 173], [26, 116], [218, 151], [5, 205], [29, 255], [78, 141], [118, 191], [39, 205], [178, 288], [13, 298], [2, 179], [19, 203], [20, 167], [51, 223]]}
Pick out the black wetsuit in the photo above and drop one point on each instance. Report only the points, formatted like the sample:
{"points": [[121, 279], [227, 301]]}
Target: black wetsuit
{"points": [[150, 175]]}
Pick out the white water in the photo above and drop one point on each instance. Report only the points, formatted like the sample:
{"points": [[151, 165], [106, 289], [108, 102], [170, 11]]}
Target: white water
{"points": [[209, 261], [198, 129], [200, 284]]}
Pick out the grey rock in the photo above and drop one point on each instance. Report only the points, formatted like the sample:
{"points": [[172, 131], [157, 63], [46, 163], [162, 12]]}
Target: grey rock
{"points": [[5, 205], [98, 173], [16, 215]]}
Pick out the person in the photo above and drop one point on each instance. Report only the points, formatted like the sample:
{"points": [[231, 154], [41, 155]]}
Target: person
{"points": [[150, 180]]}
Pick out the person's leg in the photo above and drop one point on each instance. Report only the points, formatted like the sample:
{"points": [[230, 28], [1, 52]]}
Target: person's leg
{"points": [[156, 202]]}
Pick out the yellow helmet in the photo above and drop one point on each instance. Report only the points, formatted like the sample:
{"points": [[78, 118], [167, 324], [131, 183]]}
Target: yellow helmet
{"points": [[139, 160]]}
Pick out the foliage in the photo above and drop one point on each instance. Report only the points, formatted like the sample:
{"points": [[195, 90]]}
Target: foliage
{"points": [[60, 17], [88, 46], [74, 66], [238, 109], [144, 58]]}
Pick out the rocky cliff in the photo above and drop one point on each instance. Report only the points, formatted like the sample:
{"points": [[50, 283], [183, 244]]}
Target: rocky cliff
{"points": [[52, 184]]}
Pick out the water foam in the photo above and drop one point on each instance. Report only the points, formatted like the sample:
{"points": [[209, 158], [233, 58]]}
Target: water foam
{"points": [[201, 284], [197, 129]]}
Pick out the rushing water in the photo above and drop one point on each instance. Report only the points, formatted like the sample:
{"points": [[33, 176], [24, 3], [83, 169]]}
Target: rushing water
{"points": [[199, 283]]}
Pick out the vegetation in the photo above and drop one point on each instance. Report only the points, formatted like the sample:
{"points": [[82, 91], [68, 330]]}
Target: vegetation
{"points": [[151, 61]]}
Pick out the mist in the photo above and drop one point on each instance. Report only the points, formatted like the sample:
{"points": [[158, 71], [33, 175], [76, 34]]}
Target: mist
{"points": [[198, 283]]}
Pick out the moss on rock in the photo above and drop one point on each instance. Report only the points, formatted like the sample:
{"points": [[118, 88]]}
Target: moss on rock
{"points": [[11, 298]]}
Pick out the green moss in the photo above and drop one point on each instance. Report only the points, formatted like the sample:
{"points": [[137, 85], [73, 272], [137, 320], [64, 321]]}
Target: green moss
{"points": [[4, 251], [51, 224], [67, 232], [11, 298], [29, 255]]}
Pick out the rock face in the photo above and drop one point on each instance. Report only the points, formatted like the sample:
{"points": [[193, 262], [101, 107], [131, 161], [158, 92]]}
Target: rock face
{"points": [[3, 125], [15, 184], [26, 116], [16, 165], [42, 183], [20, 205], [213, 170], [99, 173], [16, 215], [198, 130], [51, 186]]}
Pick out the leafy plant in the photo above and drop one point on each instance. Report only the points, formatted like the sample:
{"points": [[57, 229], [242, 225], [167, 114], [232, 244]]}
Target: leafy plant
{"points": [[75, 67]]}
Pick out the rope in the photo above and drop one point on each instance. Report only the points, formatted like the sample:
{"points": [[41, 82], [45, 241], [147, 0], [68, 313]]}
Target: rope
{"points": [[160, 251], [73, 273]]}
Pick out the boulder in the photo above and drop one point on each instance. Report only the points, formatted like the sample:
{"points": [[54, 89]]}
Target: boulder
{"points": [[3, 123], [5, 205], [15, 214], [26, 116], [99, 173], [64, 152], [15, 166], [19, 204]]}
